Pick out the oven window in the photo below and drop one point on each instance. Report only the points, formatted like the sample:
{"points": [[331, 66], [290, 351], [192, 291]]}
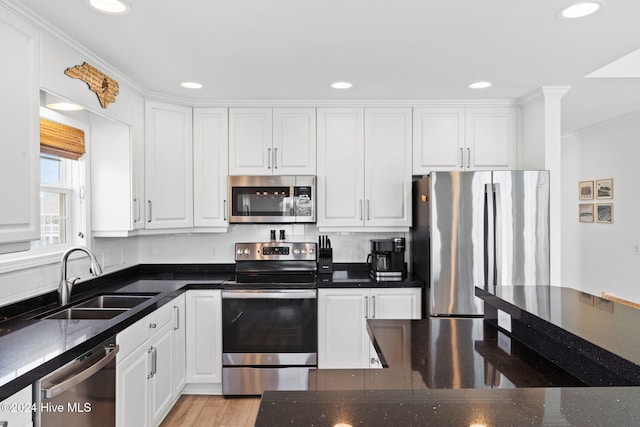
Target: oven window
{"points": [[261, 201], [269, 325]]}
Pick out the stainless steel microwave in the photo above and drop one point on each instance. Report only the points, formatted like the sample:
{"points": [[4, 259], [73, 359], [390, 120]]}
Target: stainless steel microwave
{"points": [[272, 199]]}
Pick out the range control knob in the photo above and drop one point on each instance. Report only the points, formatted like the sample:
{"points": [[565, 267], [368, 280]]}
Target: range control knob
{"points": [[296, 251], [246, 251], [310, 251], [239, 252]]}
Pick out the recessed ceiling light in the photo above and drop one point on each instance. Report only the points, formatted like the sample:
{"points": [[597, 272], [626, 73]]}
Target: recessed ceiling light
{"points": [[341, 85], [65, 106], [110, 7], [579, 10], [479, 85], [191, 85]]}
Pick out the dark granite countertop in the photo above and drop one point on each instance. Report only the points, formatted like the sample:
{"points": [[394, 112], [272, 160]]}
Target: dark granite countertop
{"points": [[31, 348], [593, 338]]}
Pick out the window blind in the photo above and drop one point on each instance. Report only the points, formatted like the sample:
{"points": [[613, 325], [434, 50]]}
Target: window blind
{"points": [[61, 140]]}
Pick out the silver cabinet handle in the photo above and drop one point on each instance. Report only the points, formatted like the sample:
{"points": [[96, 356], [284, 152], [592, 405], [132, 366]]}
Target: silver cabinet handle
{"points": [[368, 210], [373, 303], [149, 215], [224, 210], [152, 325], [82, 375], [154, 361], [150, 354], [461, 157], [361, 209], [176, 310], [268, 158], [275, 158], [468, 157], [366, 307], [136, 210]]}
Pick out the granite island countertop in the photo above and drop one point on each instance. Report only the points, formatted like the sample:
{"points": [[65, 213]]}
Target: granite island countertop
{"points": [[404, 395]]}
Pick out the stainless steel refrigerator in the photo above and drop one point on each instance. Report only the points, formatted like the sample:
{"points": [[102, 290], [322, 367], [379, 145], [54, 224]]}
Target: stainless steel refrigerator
{"points": [[482, 228]]}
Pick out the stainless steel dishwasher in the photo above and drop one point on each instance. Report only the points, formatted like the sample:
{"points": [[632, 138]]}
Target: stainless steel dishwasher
{"points": [[81, 393]]}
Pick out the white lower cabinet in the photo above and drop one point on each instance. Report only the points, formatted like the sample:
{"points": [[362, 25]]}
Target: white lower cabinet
{"points": [[146, 368], [14, 413], [343, 341], [204, 341], [179, 344]]}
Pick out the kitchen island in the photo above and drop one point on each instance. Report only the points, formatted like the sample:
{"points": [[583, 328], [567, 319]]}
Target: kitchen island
{"points": [[469, 371]]}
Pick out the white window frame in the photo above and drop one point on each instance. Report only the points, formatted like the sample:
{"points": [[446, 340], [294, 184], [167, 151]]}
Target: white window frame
{"points": [[78, 228]]}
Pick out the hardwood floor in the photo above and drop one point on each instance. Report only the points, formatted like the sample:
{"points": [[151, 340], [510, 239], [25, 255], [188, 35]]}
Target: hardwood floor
{"points": [[213, 411]]}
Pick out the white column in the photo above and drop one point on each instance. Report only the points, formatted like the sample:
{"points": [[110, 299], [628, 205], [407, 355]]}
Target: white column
{"points": [[540, 148]]}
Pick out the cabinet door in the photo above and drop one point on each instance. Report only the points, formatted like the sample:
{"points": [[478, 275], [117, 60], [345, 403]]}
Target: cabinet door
{"points": [[294, 141], [396, 303], [162, 366], [387, 167], [113, 209], [14, 417], [19, 135], [137, 163], [168, 166], [132, 389], [490, 138], [342, 338], [179, 345], [340, 167], [204, 336], [210, 167], [250, 141], [438, 139]]}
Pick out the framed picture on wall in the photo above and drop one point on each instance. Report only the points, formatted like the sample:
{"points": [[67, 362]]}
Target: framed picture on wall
{"points": [[604, 188], [585, 212], [585, 190], [604, 213]]}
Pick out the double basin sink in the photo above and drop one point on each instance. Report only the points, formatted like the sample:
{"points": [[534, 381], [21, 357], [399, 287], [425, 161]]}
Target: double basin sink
{"points": [[105, 306]]}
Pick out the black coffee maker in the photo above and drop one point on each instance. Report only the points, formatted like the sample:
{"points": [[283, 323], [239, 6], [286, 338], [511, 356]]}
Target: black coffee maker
{"points": [[386, 260]]}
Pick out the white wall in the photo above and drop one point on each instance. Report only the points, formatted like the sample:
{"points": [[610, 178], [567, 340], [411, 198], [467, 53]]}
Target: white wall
{"points": [[601, 257]]}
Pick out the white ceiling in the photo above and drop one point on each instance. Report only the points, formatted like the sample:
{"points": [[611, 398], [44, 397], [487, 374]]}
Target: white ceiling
{"points": [[389, 49]]}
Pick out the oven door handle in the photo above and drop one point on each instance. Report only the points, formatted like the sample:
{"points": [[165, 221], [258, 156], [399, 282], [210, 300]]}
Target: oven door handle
{"points": [[271, 293], [85, 373]]}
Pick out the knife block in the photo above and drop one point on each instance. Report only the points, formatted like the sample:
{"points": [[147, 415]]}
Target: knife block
{"points": [[325, 261]]}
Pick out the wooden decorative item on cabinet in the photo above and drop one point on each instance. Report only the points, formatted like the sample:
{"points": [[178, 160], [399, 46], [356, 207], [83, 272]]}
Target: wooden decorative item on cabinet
{"points": [[104, 86]]}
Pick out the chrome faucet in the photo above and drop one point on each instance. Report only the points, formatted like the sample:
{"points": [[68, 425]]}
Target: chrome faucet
{"points": [[65, 286]]}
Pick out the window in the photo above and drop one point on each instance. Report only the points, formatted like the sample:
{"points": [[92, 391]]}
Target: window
{"points": [[56, 187], [61, 182]]}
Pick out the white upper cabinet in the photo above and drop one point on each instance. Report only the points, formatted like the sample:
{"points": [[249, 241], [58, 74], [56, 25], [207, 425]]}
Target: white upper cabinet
{"points": [[19, 135], [272, 141], [117, 174], [294, 141], [168, 166], [364, 168], [210, 167], [490, 138], [463, 138], [387, 134]]}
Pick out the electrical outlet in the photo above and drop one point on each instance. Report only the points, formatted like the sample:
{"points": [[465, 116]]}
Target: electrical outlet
{"points": [[106, 259], [212, 252], [504, 320]]}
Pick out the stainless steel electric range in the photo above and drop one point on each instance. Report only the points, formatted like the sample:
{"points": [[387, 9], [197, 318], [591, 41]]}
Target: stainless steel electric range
{"points": [[270, 318]]}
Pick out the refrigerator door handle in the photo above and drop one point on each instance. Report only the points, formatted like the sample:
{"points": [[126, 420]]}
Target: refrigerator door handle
{"points": [[489, 237], [497, 234]]}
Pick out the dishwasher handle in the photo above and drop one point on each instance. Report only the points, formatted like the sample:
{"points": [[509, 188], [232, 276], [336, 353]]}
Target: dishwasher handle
{"points": [[59, 388]]}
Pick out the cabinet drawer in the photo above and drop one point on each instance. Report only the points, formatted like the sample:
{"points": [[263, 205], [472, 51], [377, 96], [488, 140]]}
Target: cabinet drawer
{"points": [[135, 335]]}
